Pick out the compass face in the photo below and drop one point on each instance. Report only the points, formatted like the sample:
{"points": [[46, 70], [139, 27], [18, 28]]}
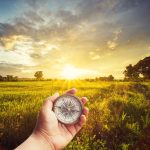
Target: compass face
{"points": [[67, 109]]}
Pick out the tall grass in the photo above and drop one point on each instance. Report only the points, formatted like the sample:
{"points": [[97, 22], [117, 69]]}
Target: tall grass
{"points": [[119, 113]]}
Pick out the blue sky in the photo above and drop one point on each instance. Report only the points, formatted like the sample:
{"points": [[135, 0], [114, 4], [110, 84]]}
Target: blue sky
{"points": [[96, 37]]}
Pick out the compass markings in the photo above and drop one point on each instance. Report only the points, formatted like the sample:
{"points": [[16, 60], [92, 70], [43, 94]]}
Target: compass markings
{"points": [[67, 109]]}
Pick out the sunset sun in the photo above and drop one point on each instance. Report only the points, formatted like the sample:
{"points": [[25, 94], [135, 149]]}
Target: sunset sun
{"points": [[70, 72]]}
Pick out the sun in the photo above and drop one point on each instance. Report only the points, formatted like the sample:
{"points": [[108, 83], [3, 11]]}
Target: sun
{"points": [[70, 72]]}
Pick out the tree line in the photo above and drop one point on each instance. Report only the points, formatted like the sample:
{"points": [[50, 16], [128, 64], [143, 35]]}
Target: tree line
{"points": [[38, 76], [137, 72], [9, 78]]}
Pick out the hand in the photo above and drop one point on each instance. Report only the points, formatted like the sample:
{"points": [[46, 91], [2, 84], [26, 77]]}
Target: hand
{"points": [[54, 133]]}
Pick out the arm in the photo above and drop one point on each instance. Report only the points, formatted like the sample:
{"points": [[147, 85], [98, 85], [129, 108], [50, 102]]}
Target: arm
{"points": [[37, 142]]}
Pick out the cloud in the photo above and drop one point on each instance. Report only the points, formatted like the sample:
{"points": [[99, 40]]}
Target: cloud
{"points": [[63, 26], [94, 55], [96, 9], [15, 41], [18, 57], [26, 51], [35, 55], [34, 16], [51, 33], [18, 69], [35, 4], [6, 29], [126, 5], [67, 16], [111, 44], [8, 68]]}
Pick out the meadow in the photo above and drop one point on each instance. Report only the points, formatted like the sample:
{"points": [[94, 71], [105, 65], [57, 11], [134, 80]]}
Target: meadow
{"points": [[119, 117]]}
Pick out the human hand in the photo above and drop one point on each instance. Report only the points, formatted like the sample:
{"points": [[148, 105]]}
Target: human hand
{"points": [[53, 133]]}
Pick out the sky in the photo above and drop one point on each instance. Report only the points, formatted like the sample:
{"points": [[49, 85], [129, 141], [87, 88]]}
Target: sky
{"points": [[74, 38]]}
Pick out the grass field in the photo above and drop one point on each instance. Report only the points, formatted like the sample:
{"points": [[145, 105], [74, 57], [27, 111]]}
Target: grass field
{"points": [[119, 115]]}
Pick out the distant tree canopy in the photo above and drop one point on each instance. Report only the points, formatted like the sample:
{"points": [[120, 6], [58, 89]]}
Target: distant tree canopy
{"points": [[8, 78], [139, 70], [39, 75], [109, 78]]}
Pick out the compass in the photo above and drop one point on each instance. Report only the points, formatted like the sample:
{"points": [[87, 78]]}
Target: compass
{"points": [[67, 108]]}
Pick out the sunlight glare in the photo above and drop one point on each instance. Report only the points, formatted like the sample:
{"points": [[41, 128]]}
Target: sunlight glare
{"points": [[70, 72]]}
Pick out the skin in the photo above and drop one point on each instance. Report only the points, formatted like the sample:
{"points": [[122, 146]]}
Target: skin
{"points": [[49, 134]]}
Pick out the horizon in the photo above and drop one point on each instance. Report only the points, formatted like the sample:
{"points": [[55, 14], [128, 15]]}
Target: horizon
{"points": [[73, 39], [62, 78]]}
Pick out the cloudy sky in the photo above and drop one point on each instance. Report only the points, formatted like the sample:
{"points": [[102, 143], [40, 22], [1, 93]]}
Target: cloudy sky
{"points": [[90, 37]]}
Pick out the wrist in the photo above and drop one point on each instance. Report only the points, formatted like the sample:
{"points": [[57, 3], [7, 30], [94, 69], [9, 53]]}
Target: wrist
{"points": [[43, 140]]}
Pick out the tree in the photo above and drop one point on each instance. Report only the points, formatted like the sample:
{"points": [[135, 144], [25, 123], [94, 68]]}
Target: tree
{"points": [[1, 78], [143, 67], [131, 73], [110, 78], [15, 78], [39, 75], [139, 70], [9, 77]]}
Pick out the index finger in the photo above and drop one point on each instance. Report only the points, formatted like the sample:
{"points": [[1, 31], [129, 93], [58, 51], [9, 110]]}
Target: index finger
{"points": [[71, 91]]}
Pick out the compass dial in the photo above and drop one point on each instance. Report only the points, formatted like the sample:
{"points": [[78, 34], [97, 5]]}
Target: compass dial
{"points": [[67, 109]]}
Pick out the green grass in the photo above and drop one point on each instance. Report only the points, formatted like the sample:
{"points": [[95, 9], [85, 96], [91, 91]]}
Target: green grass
{"points": [[119, 115]]}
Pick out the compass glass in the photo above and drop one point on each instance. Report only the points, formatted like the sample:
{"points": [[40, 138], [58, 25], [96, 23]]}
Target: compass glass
{"points": [[68, 109]]}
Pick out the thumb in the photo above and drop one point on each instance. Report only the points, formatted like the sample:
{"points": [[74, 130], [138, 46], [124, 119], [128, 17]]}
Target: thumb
{"points": [[53, 98], [47, 107], [48, 103]]}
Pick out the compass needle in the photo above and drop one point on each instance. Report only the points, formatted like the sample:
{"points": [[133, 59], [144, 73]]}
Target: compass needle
{"points": [[68, 108]]}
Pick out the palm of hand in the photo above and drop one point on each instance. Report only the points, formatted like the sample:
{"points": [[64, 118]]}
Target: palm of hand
{"points": [[57, 133]]}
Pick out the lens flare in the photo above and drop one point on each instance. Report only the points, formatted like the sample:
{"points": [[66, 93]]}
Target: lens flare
{"points": [[70, 72]]}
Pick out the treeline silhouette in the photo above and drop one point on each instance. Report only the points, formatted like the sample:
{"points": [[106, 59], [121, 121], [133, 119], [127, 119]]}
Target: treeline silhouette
{"points": [[109, 78], [9, 78], [137, 72]]}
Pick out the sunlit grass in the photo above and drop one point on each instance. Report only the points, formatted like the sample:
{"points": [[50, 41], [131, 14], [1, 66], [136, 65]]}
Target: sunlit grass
{"points": [[119, 112]]}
